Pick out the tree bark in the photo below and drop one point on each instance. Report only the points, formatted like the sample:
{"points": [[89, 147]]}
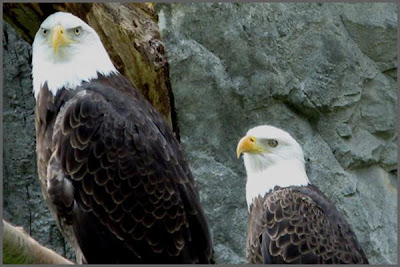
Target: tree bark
{"points": [[20, 248], [129, 33]]}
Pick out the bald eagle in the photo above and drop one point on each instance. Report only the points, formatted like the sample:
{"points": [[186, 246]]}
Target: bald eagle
{"points": [[290, 220], [111, 169]]}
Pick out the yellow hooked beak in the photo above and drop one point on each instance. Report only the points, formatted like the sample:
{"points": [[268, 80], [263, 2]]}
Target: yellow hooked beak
{"points": [[59, 38], [248, 144]]}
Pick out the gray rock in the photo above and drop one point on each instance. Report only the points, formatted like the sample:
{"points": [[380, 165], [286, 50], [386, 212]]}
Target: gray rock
{"points": [[23, 202], [374, 30], [326, 73]]}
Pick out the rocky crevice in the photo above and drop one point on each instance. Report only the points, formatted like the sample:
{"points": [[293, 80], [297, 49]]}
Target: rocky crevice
{"points": [[314, 70]]}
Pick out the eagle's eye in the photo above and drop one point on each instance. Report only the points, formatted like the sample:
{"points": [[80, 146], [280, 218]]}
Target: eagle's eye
{"points": [[77, 31], [272, 143], [44, 31]]}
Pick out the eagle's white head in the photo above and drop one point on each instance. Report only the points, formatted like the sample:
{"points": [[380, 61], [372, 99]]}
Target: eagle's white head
{"points": [[272, 158], [66, 52]]}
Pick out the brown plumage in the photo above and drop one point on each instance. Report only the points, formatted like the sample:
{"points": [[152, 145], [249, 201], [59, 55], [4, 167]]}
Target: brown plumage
{"points": [[134, 198], [290, 220], [111, 169], [299, 225]]}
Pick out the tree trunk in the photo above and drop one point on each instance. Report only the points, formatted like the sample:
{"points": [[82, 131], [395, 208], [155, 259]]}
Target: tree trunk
{"points": [[129, 33], [20, 248]]}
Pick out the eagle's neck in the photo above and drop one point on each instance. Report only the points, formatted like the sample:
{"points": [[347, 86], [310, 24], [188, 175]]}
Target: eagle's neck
{"points": [[283, 174], [68, 71]]}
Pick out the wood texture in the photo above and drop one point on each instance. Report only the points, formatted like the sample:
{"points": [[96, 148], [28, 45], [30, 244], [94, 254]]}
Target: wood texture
{"points": [[130, 35], [20, 248]]}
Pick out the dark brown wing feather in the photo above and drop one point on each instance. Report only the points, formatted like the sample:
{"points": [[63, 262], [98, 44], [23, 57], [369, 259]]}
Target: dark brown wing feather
{"points": [[134, 195], [299, 225]]}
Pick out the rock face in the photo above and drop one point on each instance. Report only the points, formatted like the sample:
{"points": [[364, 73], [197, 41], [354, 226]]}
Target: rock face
{"points": [[22, 199], [326, 73]]}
